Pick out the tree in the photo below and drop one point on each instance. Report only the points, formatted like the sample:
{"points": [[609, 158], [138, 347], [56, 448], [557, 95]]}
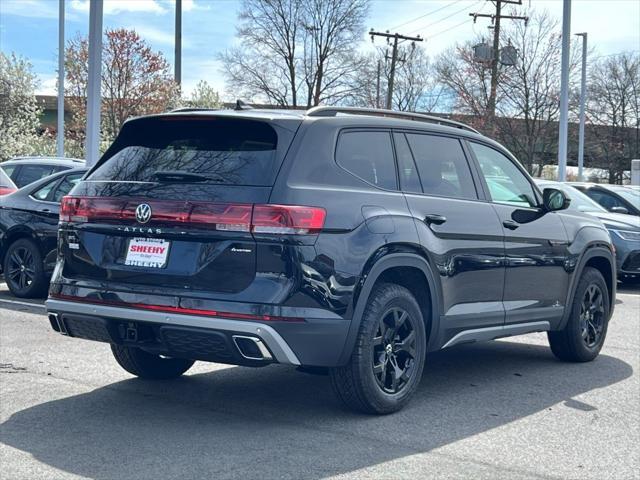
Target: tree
{"points": [[269, 64], [135, 80], [204, 96], [19, 110], [614, 107], [530, 90]]}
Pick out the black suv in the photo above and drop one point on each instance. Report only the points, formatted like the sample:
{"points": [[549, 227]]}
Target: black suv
{"points": [[358, 240]]}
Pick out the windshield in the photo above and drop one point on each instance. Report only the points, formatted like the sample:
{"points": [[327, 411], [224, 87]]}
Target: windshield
{"points": [[229, 152], [630, 195], [579, 201]]}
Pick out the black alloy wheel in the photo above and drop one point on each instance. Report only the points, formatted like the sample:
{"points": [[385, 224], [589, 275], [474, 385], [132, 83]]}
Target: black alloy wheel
{"points": [[592, 315], [23, 269], [394, 350]]}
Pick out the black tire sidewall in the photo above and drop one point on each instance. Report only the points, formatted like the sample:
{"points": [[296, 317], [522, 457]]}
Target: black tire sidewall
{"points": [[384, 298], [589, 277], [39, 283]]}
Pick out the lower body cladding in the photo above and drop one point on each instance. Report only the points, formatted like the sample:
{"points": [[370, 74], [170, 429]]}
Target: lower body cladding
{"points": [[220, 340]]}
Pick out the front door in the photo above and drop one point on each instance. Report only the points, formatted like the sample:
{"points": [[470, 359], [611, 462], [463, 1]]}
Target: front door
{"points": [[460, 233], [536, 243]]}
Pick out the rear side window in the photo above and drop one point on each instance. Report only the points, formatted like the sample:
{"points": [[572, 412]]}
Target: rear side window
{"points": [[222, 151], [442, 166], [32, 173], [65, 186], [369, 156]]}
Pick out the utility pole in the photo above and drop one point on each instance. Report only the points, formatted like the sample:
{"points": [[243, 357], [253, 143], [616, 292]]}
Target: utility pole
{"points": [[394, 56], [60, 133], [495, 20], [178, 43], [583, 96], [378, 86], [564, 92]]}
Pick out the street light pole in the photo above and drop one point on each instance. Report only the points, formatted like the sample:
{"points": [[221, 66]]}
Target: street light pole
{"points": [[60, 133], [94, 93], [178, 43], [583, 95], [564, 92]]}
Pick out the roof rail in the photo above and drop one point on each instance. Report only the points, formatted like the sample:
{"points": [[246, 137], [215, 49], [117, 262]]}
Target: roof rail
{"points": [[193, 109], [418, 117]]}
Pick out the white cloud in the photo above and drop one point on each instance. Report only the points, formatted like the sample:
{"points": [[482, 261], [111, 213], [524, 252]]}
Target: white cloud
{"points": [[47, 85], [155, 35], [113, 7], [30, 8]]}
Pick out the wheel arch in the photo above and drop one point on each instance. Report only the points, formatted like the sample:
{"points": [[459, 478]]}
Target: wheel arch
{"points": [[14, 234], [409, 269], [600, 257]]}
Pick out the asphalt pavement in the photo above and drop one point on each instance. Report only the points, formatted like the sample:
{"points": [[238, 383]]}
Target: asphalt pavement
{"points": [[502, 409]]}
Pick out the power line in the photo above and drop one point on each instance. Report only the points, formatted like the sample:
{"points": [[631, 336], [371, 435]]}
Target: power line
{"points": [[447, 29], [426, 15], [424, 27]]}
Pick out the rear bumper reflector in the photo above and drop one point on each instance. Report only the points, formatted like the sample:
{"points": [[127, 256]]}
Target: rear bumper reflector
{"points": [[179, 310]]}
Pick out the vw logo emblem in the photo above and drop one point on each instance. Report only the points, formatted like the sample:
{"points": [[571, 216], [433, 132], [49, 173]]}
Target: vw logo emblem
{"points": [[143, 213]]}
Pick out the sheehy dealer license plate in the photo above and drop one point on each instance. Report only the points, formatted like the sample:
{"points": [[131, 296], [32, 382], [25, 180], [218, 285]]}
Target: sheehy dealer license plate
{"points": [[147, 252]]}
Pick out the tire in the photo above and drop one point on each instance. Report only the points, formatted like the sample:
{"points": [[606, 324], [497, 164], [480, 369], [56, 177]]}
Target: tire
{"points": [[384, 342], [583, 336], [24, 271], [148, 365]]}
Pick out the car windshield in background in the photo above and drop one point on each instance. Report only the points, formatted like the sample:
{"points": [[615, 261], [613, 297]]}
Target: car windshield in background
{"points": [[630, 195], [230, 152]]}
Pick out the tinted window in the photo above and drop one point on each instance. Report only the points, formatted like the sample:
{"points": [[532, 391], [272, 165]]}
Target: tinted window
{"points": [[65, 186], [9, 170], [32, 173], [605, 199], [43, 192], [507, 184], [409, 180], [231, 152], [369, 156], [442, 166]]}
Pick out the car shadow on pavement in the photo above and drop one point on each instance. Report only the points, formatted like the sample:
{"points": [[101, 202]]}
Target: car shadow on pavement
{"points": [[275, 422]]}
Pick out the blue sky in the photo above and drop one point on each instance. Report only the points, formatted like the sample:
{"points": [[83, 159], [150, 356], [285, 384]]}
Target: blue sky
{"points": [[29, 27]]}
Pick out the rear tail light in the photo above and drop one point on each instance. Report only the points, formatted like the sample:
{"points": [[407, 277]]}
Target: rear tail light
{"points": [[287, 219], [262, 219], [7, 190]]}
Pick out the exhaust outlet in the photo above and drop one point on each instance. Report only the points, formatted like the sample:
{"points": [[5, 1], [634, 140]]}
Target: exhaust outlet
{"points": [[57, 323], [252, 348]]}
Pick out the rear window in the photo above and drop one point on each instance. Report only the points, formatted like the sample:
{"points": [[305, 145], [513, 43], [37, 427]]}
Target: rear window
{"points": [[225, 151]]}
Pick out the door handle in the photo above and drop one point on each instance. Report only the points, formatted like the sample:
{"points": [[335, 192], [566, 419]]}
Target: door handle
{"points": [[435, 219], [510, 224]]}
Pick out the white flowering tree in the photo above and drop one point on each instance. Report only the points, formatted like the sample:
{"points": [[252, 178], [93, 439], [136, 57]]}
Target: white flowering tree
{"points": [[19, 110]]}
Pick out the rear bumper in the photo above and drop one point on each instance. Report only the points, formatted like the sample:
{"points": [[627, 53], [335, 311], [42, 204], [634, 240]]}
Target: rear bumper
{"points": [[312, 342]]}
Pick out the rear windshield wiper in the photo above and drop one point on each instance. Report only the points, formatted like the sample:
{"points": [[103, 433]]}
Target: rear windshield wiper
{"points": [[183, 176]]}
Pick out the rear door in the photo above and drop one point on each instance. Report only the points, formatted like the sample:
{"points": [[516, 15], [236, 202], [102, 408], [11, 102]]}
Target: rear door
{"points": [[536, 244], [459, 231], [169, 205]]}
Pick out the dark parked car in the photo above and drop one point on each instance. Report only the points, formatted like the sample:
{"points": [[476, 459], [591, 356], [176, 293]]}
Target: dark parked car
{"points": [[615, 198], [28, 232], [26, 170], [6, 184], [357, 240], [624, 229]]}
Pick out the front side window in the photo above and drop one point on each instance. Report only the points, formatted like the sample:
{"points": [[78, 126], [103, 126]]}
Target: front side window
{"points": [[369, 156], [442, 166], [507, 184]]}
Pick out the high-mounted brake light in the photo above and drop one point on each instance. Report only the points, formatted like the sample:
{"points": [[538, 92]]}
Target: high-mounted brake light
{"points": [[260, 219]]}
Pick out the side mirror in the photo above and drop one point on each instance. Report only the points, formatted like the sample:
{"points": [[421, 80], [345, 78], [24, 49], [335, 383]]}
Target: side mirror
{"points": [[618, 210], [554, 199]]}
